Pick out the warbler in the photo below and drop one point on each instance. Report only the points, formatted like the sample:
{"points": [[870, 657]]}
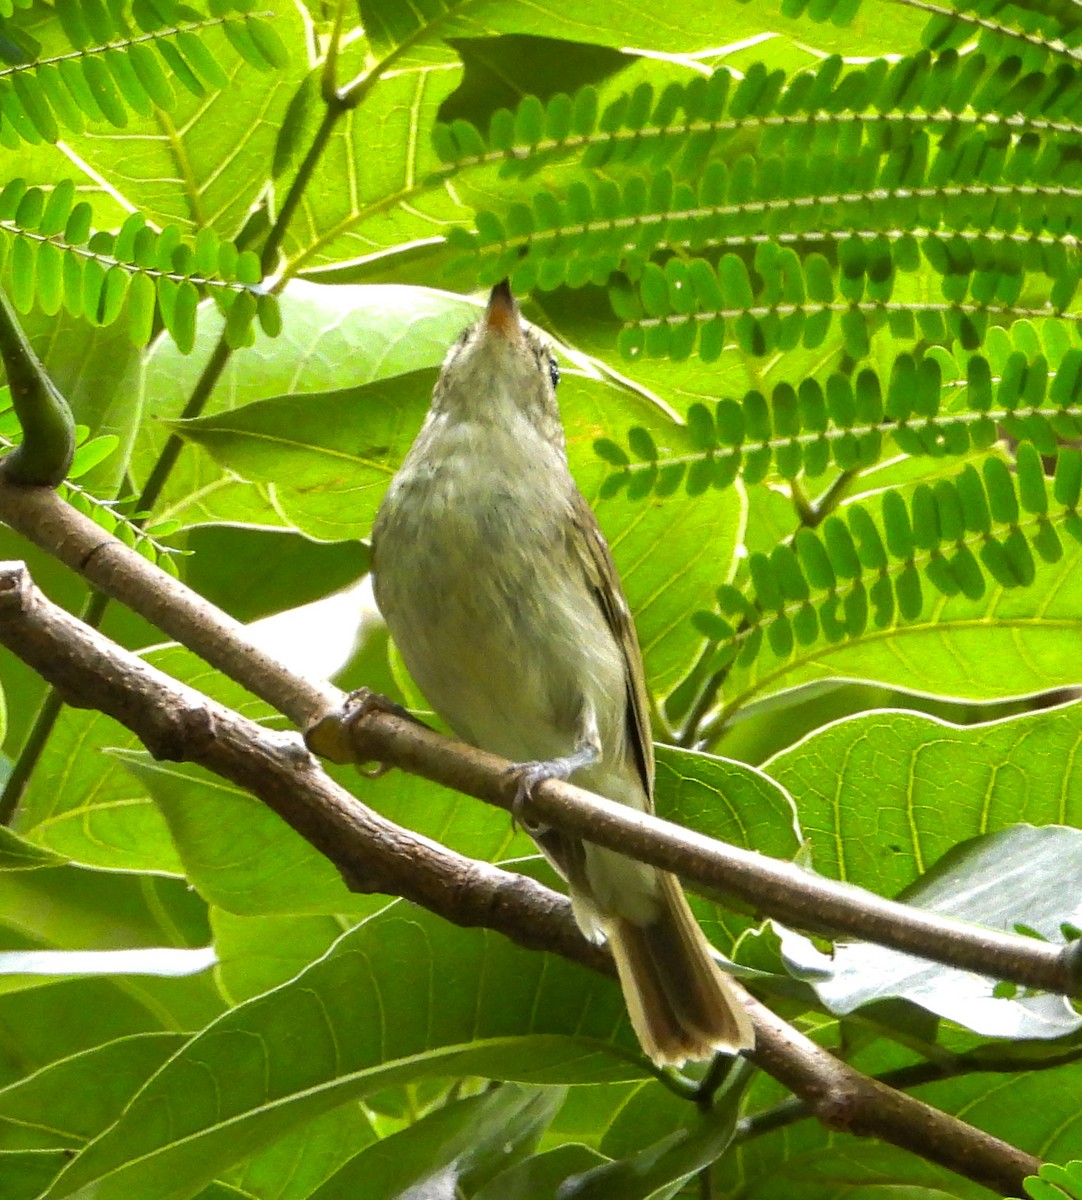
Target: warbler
{"points": [[500, 591]]}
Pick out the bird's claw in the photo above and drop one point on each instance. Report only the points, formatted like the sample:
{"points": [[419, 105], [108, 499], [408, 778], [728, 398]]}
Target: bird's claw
{"points": [[528, 776]]}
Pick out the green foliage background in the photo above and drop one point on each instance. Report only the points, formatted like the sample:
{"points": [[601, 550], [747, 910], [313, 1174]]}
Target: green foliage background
{"points": [[812, 269]]}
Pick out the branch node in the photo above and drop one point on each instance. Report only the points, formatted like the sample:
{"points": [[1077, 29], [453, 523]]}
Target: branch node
{"points": [[16, 589], [341, 735], [838, 1105], [1071, 958]]}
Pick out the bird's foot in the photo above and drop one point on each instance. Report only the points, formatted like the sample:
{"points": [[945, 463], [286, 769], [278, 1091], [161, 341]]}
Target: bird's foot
{"points": [[530, 776]]}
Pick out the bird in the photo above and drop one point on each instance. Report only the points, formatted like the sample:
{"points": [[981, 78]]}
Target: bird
{"points": [[500, 591]]}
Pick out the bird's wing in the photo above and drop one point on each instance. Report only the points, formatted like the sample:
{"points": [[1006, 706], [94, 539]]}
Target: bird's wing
{"points": [[595, 557]]}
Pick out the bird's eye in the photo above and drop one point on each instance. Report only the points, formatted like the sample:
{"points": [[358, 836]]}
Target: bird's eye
{"points": [[554, 372]]}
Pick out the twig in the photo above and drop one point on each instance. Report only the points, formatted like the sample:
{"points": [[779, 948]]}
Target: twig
{"points": [[788, 1112]]}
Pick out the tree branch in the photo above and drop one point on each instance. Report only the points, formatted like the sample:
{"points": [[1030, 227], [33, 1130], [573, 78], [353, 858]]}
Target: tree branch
{"points": [[176, 722], [979, 1062], [779, 889], [773, 888], [45, 519]]}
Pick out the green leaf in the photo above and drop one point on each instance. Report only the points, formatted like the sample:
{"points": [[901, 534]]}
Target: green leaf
{"points": [[75, 1098], [382, 332], [415, 967], [948, 784], [18, 854], [465, 1141], [337, 450], [277, 871], [540, 1175], [252, 573], [674, 1158], [1018, 876]]}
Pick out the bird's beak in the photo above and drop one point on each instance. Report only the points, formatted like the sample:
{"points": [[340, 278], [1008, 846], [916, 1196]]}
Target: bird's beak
{"points": [[502, 315]]}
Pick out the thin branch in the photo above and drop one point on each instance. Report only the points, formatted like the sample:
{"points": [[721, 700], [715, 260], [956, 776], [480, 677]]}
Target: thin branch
{"points": [[704, 723], [788, 1112], [843, 1099], [43, 518], [176, 722], [167, 460], [29, 753], [179, 724], [334, 111], [772, 887]]}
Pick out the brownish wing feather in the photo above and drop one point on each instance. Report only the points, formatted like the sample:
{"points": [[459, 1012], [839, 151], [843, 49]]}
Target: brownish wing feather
{"points": [[595, 557]]}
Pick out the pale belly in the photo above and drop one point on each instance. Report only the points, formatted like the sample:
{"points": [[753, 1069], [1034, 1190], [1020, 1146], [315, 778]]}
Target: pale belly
{"points": [[493, 618], [499, 628]]}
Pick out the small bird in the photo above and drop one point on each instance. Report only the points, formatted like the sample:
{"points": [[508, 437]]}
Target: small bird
{"points": [[500, 591]]}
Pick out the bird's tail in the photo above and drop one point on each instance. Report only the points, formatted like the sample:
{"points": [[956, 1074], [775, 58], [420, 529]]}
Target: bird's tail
{"points": [[682, 1006]]}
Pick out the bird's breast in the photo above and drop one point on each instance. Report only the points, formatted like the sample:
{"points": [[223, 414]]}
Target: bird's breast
{"points": [[492, 616]]}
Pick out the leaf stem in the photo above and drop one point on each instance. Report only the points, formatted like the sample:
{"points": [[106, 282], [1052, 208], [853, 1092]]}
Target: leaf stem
{"points": [[268, 259], [43, 457]]}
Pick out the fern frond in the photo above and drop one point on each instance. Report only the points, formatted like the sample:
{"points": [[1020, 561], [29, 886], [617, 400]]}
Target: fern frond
{"points": [[56, 261], [850, 423], [112, 70], [617, 227], [861, 180], [870, 568], [145, 540], [853, 107]]}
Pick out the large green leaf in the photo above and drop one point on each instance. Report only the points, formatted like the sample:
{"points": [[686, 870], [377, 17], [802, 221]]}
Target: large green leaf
{"points": [[398, 192], [337, 450], [66, 907], [26, 1173], [1020, 876], [459, 1147], [74, 1099], [400, 997], [253, 572], [692, 1142], [331, 338], [540, 1175], [239, 854], [53, 1019], [295, 1165], [882, 796], [936, 814], [256, 954], [409, 32], [87, 806]]}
